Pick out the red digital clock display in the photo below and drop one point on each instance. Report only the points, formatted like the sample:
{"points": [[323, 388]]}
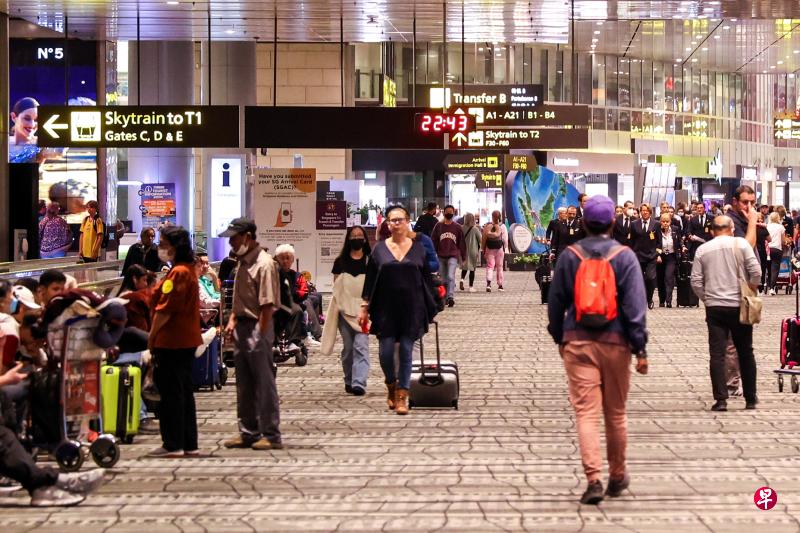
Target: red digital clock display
{"points": [[435, 123]]}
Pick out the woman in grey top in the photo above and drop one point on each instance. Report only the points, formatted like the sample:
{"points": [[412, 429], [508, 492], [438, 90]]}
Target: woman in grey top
{"points": [[472, 237]]}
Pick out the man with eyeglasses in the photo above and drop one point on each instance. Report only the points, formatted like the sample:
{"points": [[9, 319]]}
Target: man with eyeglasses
{"points": [[744, 215]]}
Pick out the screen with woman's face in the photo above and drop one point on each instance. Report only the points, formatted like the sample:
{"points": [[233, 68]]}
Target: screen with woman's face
{"points": [[52, 72]]}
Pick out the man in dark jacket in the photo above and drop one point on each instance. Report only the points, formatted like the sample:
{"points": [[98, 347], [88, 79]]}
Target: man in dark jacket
{"points": [[448, 239], [698, 230], [427, 221], [623, 225], [567, 233], [597, 360], [144, 253], [644, 241]]}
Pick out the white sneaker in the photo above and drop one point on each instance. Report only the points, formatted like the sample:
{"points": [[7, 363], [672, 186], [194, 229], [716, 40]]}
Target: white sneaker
{"points": [[81, 482], [501, 289], [772, 292], [312, 341], [472, 289], [8, 485], [53, 496], [293, 347]]}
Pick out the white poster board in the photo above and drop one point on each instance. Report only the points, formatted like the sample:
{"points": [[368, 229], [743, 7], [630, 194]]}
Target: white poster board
{"points": [[284, 203]]}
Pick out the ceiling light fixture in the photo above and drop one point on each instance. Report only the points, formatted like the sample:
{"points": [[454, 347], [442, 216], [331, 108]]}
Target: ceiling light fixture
{"points": [[780, 62], [726, 27], [772, 66], [716, 37], [599, 22], [705, 49], [173, 3], [595, 40], [694, 60], [688, 49], [797, 52]]}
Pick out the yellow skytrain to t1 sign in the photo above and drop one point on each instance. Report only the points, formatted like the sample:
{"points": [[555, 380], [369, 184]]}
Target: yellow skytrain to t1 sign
{"points": [[139, 126]]}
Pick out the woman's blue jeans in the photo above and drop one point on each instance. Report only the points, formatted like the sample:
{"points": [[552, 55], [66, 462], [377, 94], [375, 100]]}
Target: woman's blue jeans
{"points": [[403, 375]]}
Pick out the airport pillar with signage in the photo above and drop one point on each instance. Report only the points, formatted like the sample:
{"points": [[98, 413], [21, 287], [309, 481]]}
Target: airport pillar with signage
{"points": [[167, 70]]}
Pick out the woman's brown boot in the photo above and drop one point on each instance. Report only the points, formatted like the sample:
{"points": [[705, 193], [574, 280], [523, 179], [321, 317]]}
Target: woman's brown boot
{"points": [[390, 396], [401, 402]]}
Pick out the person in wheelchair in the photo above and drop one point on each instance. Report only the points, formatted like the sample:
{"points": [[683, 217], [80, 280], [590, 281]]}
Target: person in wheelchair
{"points": [[289, 318]]}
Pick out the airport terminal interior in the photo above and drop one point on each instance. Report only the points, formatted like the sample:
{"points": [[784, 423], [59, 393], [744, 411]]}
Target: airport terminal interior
{"points": [[399, 265]]}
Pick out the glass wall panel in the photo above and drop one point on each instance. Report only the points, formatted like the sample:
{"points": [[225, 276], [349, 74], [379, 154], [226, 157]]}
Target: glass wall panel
{"points": [[636, 83], [648, 94], [612, 81], [704, 91], [624, 83], [669, 89], [598, 81], [585, 79]]}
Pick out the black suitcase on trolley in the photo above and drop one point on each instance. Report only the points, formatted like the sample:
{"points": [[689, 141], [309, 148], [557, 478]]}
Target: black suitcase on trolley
{"points": [[686, 296], [434, 385]]}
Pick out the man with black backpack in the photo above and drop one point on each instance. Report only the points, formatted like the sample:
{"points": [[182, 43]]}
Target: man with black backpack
{"points": [[597, 310]]}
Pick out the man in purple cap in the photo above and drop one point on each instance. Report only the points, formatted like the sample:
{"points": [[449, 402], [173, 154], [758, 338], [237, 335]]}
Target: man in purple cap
{"points": [[596, 338]]}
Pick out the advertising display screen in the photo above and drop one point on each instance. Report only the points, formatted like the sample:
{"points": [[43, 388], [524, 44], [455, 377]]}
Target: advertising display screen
{"points": [[48, 72]]}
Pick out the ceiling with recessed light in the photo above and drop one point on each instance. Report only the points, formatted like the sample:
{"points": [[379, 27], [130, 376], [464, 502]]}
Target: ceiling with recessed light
{"points": [[727, 35]]}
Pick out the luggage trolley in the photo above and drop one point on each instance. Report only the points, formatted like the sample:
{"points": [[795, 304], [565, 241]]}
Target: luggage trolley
{"points": [[787, 277], [77, 361], [790, 338], [226, 304]]}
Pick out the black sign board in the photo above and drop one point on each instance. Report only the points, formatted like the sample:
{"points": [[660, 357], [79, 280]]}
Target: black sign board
{"points": [[489, 180], [520, 162], [436, 96], [467, 163], [139, 126], [545, 115], [527, 139], [336, 127]]}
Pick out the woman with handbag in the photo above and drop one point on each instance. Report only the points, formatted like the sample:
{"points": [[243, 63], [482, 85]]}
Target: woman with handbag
{"points": [[777, 234], [494, 245], [472, 238]]}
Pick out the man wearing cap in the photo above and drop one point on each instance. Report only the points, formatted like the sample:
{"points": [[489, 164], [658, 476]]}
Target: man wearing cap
{"points": [[256, 295], [597, 359]]}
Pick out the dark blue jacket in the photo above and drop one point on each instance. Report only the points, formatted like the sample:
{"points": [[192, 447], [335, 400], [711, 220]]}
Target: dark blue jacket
{"points": [[430, 252], [630, 325]]}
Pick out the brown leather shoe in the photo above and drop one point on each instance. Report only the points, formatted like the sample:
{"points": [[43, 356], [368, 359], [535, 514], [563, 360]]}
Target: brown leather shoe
{"points": [[264, 444], [401, 402], [238, 442], [390, 395]]}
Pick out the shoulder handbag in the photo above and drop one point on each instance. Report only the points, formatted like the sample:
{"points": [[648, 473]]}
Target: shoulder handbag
{"points": [[751, 304]]}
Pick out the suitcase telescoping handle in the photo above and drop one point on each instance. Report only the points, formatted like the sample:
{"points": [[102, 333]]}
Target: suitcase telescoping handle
{"points": [[430, 379]]}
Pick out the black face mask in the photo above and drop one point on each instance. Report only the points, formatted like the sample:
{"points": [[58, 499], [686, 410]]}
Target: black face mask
{"points": [[356, 244], [449, 216]]}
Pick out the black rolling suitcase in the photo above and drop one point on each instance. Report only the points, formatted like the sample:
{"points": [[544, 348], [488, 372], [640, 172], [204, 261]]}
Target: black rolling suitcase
{"points": [[686, 296], [434, 385], [544, 276]]}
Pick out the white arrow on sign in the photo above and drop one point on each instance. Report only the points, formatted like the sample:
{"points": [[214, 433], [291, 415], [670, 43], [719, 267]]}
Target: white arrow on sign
{"points": [[50, 126], [459, 138]]}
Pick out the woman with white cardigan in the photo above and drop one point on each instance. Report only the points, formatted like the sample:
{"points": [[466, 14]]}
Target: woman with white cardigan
{"points": [[349, 271]]}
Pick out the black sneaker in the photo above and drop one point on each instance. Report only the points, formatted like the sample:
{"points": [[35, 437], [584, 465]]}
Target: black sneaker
{"points": [[593, 494], [348, 389], [650, 305], [751, 404], [358, 391], [721, 405], [450, 302], [616, 486]]}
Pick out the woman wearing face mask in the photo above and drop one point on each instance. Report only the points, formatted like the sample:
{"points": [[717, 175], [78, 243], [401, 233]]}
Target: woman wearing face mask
{"points": [[397, 299], [174, 337], [349, 272], [473, 237]]}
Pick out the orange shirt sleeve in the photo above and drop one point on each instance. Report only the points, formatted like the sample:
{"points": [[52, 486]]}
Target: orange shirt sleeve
{"points": [[174, 290]]}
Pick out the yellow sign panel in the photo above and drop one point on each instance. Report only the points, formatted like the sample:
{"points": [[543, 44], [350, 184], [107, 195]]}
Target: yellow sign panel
{"points": [[389, 94]]}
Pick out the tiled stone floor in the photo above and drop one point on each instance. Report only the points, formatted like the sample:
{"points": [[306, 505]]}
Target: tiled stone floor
{"points": [[506, 461]]}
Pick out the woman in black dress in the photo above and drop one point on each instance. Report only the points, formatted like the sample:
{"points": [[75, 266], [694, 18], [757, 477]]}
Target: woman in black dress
{"points": [[398, 301]]}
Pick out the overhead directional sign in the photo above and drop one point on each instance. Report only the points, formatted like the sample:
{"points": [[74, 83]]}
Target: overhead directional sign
{"points": [[545, 115], [338, 127], [518, 139], [139, 126], [438, 97]]}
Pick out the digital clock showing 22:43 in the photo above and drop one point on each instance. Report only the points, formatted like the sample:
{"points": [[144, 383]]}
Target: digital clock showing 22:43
{"points": [[437, 123]]}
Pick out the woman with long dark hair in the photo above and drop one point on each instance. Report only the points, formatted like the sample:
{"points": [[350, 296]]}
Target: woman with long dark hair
{"points": [[349, 272], [397, 299], [174, 337]]}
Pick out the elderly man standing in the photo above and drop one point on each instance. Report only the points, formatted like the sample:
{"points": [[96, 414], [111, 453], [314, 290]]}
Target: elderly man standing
{"points": [[718, 266], [256, 295]]}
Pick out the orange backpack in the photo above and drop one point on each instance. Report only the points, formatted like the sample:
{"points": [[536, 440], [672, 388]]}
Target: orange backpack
{"points": [[595, 288]]}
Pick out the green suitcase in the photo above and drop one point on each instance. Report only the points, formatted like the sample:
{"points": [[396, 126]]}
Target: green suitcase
{"points": [[121, 392]]}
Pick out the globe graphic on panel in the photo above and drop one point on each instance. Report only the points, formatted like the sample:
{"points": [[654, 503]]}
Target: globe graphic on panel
{"points": [[533, 198]]}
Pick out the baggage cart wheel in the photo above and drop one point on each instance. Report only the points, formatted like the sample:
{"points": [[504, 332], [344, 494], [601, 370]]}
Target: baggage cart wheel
{"points": [[69, 456], [301, 359], [223, 376], [795, 385], [105, 451], [455, 405], [780, 383]]}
